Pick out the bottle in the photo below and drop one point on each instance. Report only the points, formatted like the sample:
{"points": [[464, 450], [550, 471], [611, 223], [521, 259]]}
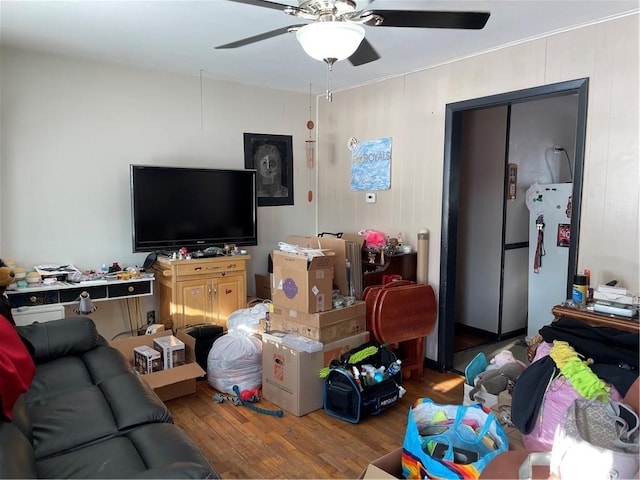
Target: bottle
{"points": [[579, 291], [400, 240], [587, 272], [394, 368], [356, 377]]}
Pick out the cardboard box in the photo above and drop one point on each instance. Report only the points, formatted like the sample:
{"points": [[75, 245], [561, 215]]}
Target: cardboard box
{"points": [[334, 350], [167, 384], [503, 401], [481, 396], [171, 351], [339, 247], [321, 319], [331, 333], [302, 284], [147, 360], [325, 327], [290, 376], [387, 466], [263, 286]]}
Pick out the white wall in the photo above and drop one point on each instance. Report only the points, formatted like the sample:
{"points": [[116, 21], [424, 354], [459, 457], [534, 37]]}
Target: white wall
{"points": [[70, 128], [411, 110]]}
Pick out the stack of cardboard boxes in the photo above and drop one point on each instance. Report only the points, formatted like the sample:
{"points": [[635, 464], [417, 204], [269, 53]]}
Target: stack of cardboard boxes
{"points": [[301, 291]]}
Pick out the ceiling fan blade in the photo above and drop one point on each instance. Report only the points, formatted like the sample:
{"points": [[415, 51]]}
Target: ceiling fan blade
{"points": [[263, 3], [430, 19], [364, 54], [258, 38]]}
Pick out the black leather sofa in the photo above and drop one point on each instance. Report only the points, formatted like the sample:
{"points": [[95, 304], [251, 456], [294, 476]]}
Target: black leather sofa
{"points": [[88, 415]]}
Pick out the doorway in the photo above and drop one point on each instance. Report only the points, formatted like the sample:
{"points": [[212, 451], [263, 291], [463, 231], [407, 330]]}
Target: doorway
{"points": [[458, 200]]}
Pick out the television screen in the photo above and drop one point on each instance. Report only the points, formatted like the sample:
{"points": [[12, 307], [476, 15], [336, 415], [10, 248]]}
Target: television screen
{"points": [[174, 207]]}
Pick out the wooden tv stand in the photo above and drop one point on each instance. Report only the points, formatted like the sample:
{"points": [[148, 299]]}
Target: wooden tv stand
{"points": [[200, 290]]}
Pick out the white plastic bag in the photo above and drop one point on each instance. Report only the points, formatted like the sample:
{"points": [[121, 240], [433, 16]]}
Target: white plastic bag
{"points": [[247, 320], [235, 359]]}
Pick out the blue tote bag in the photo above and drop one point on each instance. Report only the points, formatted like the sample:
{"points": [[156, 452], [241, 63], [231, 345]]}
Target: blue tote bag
{"points": [[450, 441]]}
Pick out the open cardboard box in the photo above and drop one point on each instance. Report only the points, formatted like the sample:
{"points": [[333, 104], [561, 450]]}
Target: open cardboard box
{"points": [[387, 466], [174, 382], [338, 246], [301, 283]]}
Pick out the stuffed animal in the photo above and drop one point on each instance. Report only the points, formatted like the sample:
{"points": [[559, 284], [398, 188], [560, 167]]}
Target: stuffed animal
{"points": [[494, 381], [6, 276], [6, 279], [373, 238], [503, 358]]}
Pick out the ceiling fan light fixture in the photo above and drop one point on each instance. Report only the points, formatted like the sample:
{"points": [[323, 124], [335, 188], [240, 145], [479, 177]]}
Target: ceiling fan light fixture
{"points": [[330, 40]]}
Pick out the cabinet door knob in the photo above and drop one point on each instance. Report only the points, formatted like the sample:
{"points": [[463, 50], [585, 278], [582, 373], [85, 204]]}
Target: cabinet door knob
{"points": [[131, 289], [33, 299]]}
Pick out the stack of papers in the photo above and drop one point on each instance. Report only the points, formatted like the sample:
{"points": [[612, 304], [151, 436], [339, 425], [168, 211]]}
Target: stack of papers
{"points": [[51, 270], [613, 294]]}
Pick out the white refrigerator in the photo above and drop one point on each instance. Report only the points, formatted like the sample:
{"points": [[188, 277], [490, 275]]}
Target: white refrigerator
{"points": [[549, 232]]}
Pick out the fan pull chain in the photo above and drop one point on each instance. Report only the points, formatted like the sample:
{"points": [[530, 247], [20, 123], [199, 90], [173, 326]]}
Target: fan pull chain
{"points": [[328, 94]]}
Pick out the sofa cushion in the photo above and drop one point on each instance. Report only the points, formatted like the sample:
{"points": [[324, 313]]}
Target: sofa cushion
{"points": [[105, 362], [151, 451], [58, 376], [16, 454], [133, 402], [111, 458], [69, 420], [68, 336]]}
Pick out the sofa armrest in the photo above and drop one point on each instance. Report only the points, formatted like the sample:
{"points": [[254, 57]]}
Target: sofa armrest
{"points": [[59, 338], [17, 459], [179, 470]]}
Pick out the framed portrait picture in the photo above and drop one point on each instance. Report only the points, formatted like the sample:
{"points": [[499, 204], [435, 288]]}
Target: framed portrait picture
{"points": [[272, 158]]}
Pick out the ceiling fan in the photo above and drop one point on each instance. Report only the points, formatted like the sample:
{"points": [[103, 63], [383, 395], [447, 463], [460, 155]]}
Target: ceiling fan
{"points": [[336, 31]]}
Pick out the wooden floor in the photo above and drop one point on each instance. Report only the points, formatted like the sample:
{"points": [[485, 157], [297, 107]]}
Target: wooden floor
{"points": [[241, 443], [465, 340]]}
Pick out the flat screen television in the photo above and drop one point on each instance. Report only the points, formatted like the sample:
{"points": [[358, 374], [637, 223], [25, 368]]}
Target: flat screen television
{"points": [[196, 208]]}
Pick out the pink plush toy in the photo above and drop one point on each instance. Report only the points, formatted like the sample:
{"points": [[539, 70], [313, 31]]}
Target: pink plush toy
{"points": [[373, 238], [502, 359]]}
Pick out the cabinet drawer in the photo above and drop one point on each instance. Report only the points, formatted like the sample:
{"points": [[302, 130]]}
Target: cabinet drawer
{"points": [[209, 268], [34, 298], [72, 294], [128, 289]]}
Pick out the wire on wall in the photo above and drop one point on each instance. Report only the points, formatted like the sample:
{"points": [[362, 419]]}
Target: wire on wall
{"points": [[561, 149], [557, 149]]}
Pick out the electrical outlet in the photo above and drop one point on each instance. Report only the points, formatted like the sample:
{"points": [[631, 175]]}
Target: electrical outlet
{"points": [[151, 317], [370, 198]]}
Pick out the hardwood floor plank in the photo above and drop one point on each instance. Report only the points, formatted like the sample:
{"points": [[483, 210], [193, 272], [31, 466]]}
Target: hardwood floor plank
{"points": [[242, 443]]}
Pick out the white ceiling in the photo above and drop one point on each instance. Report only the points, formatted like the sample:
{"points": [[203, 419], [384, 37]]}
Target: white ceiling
{"points": [[180, 36]]}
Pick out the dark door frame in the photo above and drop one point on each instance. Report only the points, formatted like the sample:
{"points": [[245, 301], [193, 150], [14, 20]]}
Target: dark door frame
{"points": [[450, 195]]}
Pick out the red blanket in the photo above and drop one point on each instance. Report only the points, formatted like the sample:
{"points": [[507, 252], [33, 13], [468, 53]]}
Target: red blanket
{"points": [[16, 367]]}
